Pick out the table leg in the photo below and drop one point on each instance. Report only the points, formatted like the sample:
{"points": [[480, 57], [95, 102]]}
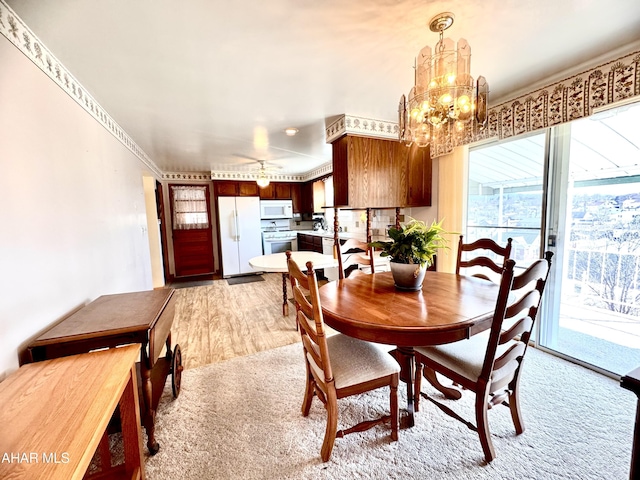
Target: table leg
{"points": [[404, 356], [149, 419], [285, 304], [130, 421]]}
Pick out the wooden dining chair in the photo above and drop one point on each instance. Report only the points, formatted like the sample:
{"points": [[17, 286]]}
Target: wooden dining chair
{"points": [[352, 254], [338, 366], [490, 364], [481, 257]]}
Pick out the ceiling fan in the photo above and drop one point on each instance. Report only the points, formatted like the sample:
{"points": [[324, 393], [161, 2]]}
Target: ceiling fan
{"points": [[262, 180], [264, 164]]}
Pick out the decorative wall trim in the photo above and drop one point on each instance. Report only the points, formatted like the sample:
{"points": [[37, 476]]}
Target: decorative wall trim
{"points": [[569, 99], [322, 170], [17, 32], [364, 127], [183, 176], [283, 177]]}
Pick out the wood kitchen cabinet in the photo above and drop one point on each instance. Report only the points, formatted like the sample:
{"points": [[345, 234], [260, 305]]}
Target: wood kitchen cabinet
{"points": [[375, 173], [301, 194], [283, 190], [231, 188], [277, 191], [419, 177], [296, 197], [309, 243], [268, 192], [248, 189], [224, 188]]}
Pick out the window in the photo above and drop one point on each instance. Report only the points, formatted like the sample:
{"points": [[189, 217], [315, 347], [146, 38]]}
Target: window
{"points": [[506, 195], [190, 210]]}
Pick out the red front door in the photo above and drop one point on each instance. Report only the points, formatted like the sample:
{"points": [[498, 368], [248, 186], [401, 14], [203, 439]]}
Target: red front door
{"points": [[191, 230]]}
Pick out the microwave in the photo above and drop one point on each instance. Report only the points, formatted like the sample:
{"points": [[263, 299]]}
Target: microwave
{"points": [[272, 209]]}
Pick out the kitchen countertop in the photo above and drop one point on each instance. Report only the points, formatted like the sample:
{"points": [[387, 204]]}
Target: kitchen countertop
{"points": [[328, 234]]}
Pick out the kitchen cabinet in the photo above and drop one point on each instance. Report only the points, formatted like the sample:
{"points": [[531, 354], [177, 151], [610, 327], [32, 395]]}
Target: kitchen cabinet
{"points": [[248, 189], [276, 191], [268, 192], [319, 198], [225, 188], [309, 243], [283, 191], [230, 188], [302, 197], [419, 175], [374, 173], [296, 197]]}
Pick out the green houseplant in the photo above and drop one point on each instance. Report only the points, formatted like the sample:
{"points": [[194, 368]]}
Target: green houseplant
{"points": [[411, 248]]}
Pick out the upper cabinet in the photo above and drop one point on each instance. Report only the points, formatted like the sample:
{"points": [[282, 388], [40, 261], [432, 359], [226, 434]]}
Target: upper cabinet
{"points": [[419, 177], [375, 173], [276, 191], [231, 188]]}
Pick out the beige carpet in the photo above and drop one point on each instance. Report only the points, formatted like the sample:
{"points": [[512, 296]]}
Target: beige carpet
{"points": [[240, 419]]}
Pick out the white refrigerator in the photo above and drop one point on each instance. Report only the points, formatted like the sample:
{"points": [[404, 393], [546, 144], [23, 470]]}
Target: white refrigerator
{"points": [[240, 233]]}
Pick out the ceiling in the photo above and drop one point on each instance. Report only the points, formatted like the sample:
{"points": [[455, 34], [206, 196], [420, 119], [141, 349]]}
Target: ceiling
{"points": [[205, 85]]}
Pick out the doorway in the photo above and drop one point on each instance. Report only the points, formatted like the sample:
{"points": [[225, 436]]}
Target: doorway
{"points": [[191, 230], [573, 189], [594, 222]]}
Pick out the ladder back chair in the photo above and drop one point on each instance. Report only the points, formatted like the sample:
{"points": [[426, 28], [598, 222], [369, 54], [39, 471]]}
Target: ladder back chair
{"points": [[338, 366], [489, 364], [482, 250], [353, 253]]}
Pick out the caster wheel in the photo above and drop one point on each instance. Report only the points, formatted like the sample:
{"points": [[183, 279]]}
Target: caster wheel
{"points": [[176, 371], [153, 449]]}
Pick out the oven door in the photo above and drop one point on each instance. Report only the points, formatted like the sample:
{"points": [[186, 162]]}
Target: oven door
{"points": [[279, 245]]}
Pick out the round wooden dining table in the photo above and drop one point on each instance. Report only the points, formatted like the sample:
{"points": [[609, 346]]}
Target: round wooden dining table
{"points": [[448, 308]]}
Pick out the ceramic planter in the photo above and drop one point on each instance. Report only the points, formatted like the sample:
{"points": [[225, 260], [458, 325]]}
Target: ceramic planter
{"points": [[407, 276]]}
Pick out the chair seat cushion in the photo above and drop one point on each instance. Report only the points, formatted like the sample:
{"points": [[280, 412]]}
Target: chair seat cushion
{"points": [[355, 361], [464, 357]]}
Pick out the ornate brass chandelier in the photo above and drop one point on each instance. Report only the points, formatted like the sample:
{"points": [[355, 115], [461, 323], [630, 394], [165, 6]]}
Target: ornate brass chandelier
{"points": [[445, 106]]}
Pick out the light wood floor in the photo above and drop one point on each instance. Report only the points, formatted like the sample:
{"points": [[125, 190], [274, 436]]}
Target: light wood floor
{"points": [[221, 321]]}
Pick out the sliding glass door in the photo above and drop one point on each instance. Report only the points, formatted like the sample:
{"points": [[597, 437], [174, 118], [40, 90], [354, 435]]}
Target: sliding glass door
{"points": [[594, 222], [574, 189], [506, 195]]}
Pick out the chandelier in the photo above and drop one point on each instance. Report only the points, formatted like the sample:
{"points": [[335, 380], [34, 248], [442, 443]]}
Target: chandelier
{"points": [[446, 105], [262, 180]]}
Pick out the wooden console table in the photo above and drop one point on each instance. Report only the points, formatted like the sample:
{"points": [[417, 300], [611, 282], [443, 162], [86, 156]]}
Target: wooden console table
{"points": [[121, 319], [54, 414], [631, 381]]}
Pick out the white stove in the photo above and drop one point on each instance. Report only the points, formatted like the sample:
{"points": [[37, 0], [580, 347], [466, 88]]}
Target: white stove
{"points": [[279, 241]]}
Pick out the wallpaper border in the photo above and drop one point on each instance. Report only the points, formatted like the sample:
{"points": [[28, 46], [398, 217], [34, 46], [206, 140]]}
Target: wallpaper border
{"points": [[18, 33]]}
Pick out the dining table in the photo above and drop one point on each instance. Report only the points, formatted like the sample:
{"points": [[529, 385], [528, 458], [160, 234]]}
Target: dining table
{"points": [[447, 308], [277, 262]]}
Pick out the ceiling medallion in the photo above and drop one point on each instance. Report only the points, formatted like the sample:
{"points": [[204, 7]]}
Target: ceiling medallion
{"points": [[445, 104]]}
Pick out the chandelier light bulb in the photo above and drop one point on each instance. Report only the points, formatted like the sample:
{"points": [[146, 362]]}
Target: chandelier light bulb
{"points": [[446, 98]]}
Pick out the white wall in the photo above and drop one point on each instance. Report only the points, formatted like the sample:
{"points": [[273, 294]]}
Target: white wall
{"points": [[73, 222], [153, 227]]}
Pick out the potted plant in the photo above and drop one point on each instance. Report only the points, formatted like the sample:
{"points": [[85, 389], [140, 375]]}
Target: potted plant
{"points": [[411, 249]]}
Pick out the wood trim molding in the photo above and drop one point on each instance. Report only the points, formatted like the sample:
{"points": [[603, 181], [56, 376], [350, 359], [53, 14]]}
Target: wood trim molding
{"points": [[19, 34]]}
